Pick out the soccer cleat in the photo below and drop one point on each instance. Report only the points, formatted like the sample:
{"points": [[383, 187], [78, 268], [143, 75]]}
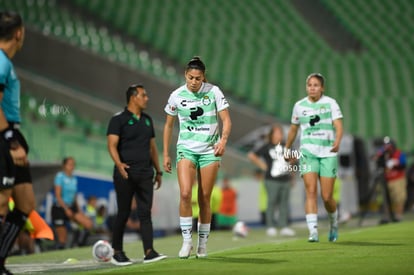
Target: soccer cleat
{"points": [[287, 232], [185, 250], [313, 238], [120, 259], [333, 234], [201, 252], [271, 232], [153, 256]]}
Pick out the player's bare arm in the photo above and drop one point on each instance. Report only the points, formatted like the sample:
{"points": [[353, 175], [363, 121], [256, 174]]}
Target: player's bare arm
{"points": [[168, 127]]}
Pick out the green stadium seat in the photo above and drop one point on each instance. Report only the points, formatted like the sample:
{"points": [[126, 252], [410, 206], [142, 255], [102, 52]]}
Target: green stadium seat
{"points": [[229, 35]]}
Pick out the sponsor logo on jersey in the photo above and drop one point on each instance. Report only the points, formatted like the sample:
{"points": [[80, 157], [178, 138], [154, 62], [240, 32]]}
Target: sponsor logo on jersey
{"points": [[197, 129]]}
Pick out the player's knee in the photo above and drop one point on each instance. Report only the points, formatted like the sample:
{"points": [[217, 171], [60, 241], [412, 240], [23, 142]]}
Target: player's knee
{"points": [[185, 196], [328, 199]]}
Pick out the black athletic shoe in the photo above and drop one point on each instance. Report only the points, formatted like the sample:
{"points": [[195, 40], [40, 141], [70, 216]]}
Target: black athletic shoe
{"points": [[5, 271], [120, 259], [153, 256]]}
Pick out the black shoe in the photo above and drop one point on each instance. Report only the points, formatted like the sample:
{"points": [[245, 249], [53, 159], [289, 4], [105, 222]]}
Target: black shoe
{"points": [[383, 221], [5, 271], [120, 259], [153, 256]]}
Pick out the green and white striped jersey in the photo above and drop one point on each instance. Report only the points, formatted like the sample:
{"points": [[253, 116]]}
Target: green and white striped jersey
{"points": [[316, 123], [198, 116]]}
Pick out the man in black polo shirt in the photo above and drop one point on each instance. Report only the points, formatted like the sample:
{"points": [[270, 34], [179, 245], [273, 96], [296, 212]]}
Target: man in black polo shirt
{"points": [[131, 144]]}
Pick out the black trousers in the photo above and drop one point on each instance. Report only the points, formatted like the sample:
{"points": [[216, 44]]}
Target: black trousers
{"points": [[143, 190]]}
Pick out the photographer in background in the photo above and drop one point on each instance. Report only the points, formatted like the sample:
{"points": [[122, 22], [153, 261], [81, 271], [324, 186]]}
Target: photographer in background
{"points": [[395, 165]]}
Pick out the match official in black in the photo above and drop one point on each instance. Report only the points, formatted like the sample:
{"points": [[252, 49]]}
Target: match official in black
{"points": [[131, 144]]}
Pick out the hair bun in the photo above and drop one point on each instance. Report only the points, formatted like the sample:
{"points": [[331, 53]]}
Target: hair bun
{"points": [[195, 58], [196, 63]]}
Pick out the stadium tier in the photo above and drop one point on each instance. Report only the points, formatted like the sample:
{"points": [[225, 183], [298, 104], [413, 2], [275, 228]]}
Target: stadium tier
{"points": [[54, 133], [47, 17], [258, 51], [261, 52]]}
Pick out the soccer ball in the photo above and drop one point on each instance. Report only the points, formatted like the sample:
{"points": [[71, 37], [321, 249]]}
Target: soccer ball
{"points": [[102, 251], [240, 229]]}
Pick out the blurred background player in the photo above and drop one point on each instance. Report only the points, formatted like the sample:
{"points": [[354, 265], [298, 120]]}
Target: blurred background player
{"points": [[320, 120], [66, 208], [278, 179]]}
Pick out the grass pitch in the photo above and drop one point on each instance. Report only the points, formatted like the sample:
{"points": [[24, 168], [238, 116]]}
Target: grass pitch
{"points": [[387, 249]]}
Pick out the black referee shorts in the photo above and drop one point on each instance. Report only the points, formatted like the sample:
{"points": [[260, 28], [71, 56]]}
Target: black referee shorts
{"points": [[7, 167], [59, 217], [22, 173]]}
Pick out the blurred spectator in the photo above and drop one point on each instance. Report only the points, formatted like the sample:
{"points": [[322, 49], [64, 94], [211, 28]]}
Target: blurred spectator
{"points": [[395, 165], [66, 209], [98, 216], [227, 216], [101, 226], [410, 189], [90, 209]]}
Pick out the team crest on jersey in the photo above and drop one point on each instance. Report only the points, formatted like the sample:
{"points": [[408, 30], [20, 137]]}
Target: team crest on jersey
{"points": [[172, 108], [296, 118], [206, 100]]}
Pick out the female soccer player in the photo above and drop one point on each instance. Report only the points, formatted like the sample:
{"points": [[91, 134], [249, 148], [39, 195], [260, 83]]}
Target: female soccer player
{"points": [[199, 147], [320, 119]]}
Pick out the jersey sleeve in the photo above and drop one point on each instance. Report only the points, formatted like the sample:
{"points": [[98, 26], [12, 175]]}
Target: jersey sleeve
{"points": [[336, 110], [4, 72], [221, 101], [59, 180], [114, 127], [171, 107], [295, 115]]}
